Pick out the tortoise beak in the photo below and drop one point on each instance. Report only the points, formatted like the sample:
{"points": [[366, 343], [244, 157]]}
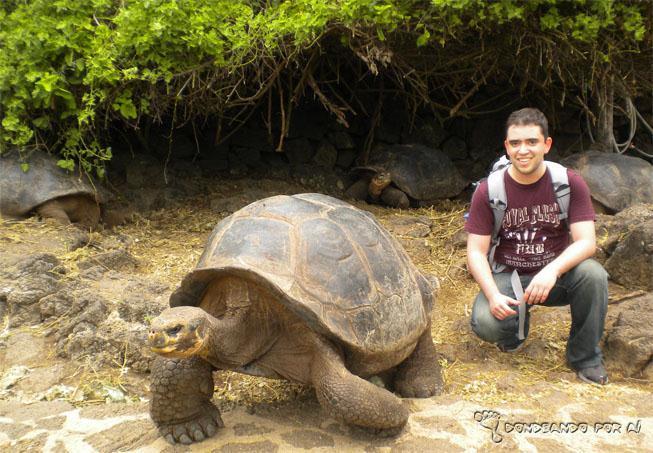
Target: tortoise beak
{"points": [[158, 340], [176, 341]]}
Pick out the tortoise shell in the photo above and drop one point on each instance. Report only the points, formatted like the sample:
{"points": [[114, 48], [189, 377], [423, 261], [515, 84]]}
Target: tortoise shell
{"points": [[422, 173], [330, 263], [21, 192], [615, 180]]}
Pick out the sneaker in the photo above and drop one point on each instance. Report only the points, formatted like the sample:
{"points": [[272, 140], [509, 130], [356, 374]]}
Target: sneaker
{"points": [[510, 347], [593, 375]]}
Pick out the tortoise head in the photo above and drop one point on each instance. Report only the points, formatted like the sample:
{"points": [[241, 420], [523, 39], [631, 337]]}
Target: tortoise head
{"points": [[379, 181], [179, 332]]}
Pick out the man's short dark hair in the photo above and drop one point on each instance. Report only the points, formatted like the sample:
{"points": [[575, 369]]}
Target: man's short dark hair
{"points": [[527, 117]]}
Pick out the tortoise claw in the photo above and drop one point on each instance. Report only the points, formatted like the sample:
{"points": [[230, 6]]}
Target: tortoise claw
{"points": [[195, 430]]}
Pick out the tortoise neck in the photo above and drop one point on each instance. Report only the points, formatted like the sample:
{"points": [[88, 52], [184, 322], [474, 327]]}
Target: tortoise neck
{"points": [[238, 338]]}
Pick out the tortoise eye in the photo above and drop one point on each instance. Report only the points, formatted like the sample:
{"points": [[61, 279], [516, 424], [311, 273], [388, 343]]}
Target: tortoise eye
{"points": [[174, 330]]}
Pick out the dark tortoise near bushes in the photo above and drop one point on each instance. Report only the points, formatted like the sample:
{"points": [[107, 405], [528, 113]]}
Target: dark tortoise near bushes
{"points": [[402, 176], [616, 181], [305, 288], [48, 190]]}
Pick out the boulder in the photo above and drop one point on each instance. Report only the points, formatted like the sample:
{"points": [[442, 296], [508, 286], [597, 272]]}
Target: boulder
{"points": [[629, 343]]}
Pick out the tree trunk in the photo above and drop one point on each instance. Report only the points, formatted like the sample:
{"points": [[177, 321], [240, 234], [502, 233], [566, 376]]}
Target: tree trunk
{"points": [[605, 132]]}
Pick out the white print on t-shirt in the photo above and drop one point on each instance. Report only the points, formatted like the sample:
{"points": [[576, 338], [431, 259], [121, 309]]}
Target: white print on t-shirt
{"points": [[518, 229], [543, 213]]}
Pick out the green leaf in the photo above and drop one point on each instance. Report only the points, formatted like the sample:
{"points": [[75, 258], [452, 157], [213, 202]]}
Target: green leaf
{"points": [[25, 167], [66, 164], [42, 122], [423, 39], [128, 110]]}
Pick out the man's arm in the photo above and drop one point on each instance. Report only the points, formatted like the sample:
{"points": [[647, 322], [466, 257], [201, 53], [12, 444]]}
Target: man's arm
{"points": [[582, 247], [478, 265]]}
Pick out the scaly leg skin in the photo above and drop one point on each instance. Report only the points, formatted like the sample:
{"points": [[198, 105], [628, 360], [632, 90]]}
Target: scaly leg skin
{"points": [[53, 210], [86, 212], [395, 198], [420, 376], [180, 404], [351, 398]]}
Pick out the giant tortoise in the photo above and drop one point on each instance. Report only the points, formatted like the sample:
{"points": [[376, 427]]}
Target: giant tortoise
{"points": [[306, 288], [404, 175], [616, 181], [47, 190]]}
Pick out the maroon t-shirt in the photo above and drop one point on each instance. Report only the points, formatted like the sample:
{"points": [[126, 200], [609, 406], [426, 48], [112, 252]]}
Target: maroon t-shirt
{"points": [[531, 235]]}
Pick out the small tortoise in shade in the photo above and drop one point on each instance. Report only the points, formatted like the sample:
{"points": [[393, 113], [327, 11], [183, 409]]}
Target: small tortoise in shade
{"points": [[616, 181], [402, 176], [305, 288]]}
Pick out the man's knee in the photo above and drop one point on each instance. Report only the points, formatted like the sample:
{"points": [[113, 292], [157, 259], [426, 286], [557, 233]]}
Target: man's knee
{"points": [[591, 272], [486, 326]]}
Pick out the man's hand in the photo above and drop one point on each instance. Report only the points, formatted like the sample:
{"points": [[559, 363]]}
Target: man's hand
{"points": [[500, 306], [540, 286]]}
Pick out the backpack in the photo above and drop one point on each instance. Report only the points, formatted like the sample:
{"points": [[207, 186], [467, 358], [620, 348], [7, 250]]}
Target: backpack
{"points": [[499, 199]]}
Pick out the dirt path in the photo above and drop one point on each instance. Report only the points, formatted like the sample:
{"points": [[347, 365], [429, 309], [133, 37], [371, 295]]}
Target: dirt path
{"points": [[445, 422]]}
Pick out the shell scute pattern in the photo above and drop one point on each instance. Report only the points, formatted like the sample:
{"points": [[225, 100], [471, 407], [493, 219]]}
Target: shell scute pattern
{"points": [[329, 263]]}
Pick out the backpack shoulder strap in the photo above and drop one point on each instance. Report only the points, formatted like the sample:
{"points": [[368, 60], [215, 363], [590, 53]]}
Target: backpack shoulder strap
{"points": [[561, 187], [496, 188]]}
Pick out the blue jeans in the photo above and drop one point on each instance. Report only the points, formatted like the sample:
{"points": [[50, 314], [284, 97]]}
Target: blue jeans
{"points": [[584, 288]]}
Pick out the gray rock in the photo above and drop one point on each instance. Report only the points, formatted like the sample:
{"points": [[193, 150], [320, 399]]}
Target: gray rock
{"points": [[298, 151], [142, 301], [346, 158], [33, 278], [631, 263], [110, 260], [629, 344], [144, 171], [341, 140], [326, 155], [245, 155], [251, 137], [312, 124]]}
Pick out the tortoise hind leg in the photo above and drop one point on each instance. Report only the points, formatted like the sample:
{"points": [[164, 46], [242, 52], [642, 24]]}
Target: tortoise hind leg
{"points": [[180, 403], [420, 376], [351, 398], [53, 209]]}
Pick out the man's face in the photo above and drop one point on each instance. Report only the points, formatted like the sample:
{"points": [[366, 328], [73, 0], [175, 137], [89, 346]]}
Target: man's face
{"points": [[526, 147]]}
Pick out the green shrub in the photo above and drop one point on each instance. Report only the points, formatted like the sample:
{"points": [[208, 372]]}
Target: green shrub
{"points": [[68, 67]]}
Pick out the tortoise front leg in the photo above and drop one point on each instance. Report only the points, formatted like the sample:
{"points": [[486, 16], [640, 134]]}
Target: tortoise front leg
{"points": [[351, 398], [358, 190], [180, 404], [395, 198], [84, 210], [420, 376]]}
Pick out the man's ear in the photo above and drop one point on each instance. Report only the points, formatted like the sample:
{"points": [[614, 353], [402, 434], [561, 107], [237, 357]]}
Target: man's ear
{"points": [[548, 143]]}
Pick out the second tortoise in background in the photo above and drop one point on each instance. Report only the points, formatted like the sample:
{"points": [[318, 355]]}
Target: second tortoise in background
{"points": [[401, 176], [51, 192], [616, 181]]}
